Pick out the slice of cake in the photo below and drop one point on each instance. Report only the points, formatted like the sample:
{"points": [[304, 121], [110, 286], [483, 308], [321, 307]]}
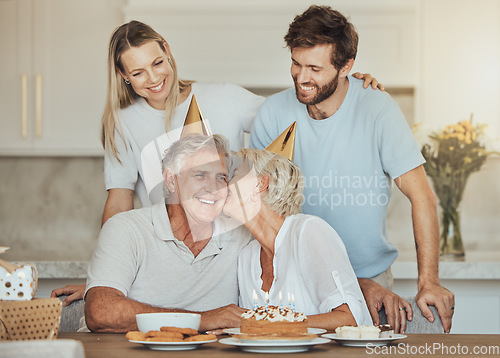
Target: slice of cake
{"points": [[273, 320], [386, 331], [348, 332], [369, 332], [360, 332]]}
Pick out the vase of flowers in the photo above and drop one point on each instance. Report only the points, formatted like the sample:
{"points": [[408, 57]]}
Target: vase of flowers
{"points": [[452, 156]]}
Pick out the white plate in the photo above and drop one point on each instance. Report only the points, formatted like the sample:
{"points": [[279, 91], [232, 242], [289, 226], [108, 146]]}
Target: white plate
{"points": [[309, 330], [360, 342], [272, 346], [173, 346]]}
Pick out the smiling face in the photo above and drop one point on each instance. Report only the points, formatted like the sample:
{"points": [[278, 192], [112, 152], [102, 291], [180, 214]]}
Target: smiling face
{"points": [[201, 186], [150, 74], [243, 202], [313, 73]]}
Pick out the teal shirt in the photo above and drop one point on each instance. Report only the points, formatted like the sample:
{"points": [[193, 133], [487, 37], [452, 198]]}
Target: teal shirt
{"points": [[349, 161]]}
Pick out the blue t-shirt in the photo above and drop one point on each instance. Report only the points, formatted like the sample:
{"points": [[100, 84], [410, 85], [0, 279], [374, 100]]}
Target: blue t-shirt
{"points": [[349, 161]]}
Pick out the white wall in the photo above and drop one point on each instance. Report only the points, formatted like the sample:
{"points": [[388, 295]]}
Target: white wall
{"points": [[241, 41], [459, 62]]}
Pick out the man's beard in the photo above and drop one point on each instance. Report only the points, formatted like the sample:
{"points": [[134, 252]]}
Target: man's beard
{"points": [[322, 92]]}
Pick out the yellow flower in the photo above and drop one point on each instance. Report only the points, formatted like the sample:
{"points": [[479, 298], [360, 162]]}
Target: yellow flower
{"points": [[458, 128], [466, 124], [460, 136], [467, 160], [451, 148]]}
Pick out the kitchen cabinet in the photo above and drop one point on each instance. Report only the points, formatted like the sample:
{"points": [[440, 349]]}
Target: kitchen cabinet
{"points": [[53, 71], [242, 41]]}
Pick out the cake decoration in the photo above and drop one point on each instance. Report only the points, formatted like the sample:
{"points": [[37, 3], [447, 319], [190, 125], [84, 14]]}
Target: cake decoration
{"points": [[274, 321]]}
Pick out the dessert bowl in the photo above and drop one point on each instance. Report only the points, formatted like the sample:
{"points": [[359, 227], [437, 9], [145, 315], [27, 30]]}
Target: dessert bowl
{"points": [[154, 321]]}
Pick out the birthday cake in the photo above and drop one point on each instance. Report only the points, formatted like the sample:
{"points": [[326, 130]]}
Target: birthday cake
{"points": [[273, 320]]}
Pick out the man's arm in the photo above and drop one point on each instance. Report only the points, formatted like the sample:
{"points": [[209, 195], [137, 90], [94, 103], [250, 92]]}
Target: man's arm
{"points": [[415, 187], [109, 310], [396, 309]]}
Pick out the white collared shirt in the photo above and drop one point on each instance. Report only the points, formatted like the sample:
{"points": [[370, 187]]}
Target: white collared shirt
{"points": [[138, 255], [307, 253]]}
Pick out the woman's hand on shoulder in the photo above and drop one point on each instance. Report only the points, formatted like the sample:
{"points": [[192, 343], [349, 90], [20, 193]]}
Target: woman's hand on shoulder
{"points": [[368, 80]]}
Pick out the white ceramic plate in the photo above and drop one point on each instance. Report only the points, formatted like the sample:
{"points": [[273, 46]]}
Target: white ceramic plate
{"points": [[360, 342], [173, 346], [273, 346], [309, 330]]}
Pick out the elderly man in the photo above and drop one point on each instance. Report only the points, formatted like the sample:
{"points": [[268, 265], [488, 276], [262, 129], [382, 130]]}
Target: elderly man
{"points": [[173, 257], [351, 144]]}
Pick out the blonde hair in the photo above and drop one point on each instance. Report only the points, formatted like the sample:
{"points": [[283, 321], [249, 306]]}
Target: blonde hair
{"points": [[175, 156], [286, 183], [121, 95]]}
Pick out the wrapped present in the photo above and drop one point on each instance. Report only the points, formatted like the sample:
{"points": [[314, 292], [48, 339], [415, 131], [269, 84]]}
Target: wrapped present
{"points": [[18, 282], [26, 320]]}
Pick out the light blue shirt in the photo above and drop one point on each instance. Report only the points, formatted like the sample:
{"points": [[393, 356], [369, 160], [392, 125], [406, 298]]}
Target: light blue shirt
{"points": [[349, 161]]}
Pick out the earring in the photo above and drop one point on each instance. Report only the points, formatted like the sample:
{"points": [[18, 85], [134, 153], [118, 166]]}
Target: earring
{"points": [[127, 81], [169, 61]]}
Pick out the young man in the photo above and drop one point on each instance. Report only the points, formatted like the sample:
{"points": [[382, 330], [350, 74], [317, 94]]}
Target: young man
{"points": [[350, 143]]}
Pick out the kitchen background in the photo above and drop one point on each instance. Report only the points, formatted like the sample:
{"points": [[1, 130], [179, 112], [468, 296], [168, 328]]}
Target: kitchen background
{"points": [[438, 58]]}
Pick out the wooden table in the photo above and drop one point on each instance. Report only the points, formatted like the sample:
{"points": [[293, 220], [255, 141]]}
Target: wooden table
{"points": [[415, 345]]}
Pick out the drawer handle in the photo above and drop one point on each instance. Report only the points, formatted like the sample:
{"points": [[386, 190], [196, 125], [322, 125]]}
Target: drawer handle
{"points": [[38, 107], [24, 106]]}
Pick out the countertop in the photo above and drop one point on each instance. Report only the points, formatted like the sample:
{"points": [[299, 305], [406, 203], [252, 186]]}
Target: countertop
{"points": [[477, 265]]}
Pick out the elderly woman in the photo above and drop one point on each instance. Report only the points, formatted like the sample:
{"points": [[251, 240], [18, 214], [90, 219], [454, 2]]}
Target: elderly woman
{"points": [[294, 253], [174, 256]]}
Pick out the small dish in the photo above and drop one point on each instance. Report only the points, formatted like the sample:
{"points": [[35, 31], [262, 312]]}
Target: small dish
{"points": [[173, 346], [273, 346], [236, 331], [362, 342]]}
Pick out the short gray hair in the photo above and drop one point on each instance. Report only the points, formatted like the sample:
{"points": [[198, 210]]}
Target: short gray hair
{"points": [[286, 183], [175, 156]]}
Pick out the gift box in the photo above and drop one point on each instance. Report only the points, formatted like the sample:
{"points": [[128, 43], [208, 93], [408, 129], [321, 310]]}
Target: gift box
{"points": [[26, 320], [18, 282]]}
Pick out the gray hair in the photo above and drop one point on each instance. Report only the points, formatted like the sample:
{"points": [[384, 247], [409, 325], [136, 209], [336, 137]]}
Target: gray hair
{"points": [[175, 156], [286, 183]]}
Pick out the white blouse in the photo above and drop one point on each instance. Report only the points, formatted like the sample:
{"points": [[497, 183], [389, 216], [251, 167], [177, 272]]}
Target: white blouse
{"points": [[308, 254]]}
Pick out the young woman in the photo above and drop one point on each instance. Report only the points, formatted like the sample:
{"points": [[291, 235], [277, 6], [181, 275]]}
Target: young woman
{"points": [[145, 109]]}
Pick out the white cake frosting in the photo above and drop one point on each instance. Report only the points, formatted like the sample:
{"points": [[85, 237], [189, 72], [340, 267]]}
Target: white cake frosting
{"points": [[274, 314]]}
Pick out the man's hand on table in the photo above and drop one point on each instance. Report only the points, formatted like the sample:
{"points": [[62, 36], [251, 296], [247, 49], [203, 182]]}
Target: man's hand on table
{"points": [[438, 296], [396, 309], [223, 317], [74, 292]]}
